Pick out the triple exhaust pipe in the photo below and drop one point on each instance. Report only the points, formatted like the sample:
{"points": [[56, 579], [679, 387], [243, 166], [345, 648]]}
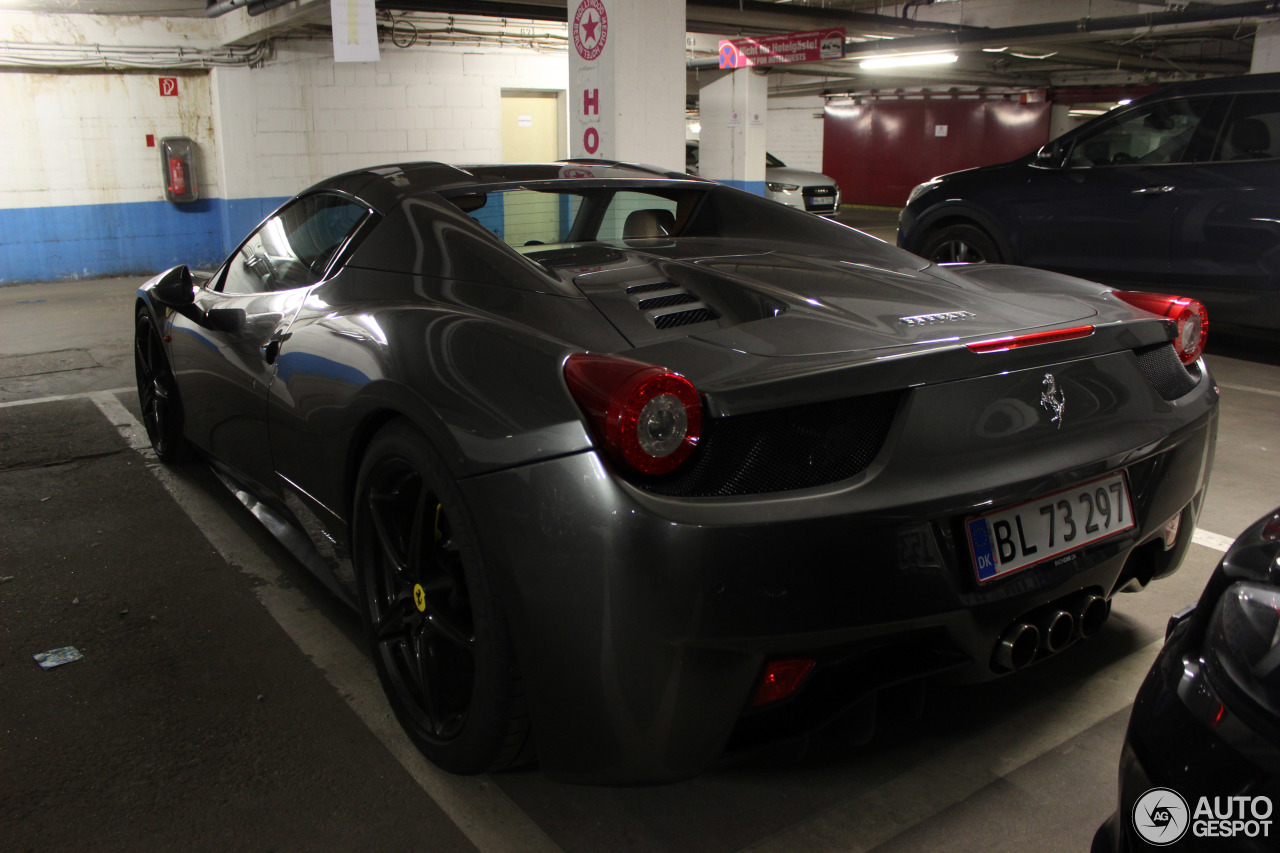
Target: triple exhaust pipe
{"points": [[1050, 630]]}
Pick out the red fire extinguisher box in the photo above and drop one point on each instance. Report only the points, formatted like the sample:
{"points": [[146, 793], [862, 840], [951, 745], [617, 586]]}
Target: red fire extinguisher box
{"points": [[178, 161]]}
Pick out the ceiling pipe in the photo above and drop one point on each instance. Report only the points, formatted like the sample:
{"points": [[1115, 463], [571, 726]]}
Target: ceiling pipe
{"points": [[715, 16], [753, 14], [1004, 35], [526, 11], [258, 7], [217, 8], [1146, 20]]}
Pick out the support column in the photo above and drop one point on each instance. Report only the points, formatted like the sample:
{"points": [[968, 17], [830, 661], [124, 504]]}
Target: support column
{"points": [[732, 108], [1266, 48], [627, 80]]}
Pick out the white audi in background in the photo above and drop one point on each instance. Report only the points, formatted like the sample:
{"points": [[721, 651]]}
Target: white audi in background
{"points": [[811, 191]]}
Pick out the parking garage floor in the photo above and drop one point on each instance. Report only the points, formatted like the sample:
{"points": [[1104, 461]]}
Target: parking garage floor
{"points": [[224, 698]]}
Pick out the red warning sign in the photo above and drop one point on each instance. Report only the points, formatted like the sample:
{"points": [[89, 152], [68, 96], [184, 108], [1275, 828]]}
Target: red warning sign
{"points": [[168, 87], [811, 46]]}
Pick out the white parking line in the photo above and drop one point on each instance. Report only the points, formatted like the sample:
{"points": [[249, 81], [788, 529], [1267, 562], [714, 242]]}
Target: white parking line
{"points": [[1250, 389], [484, 813], [1211, 540], [58, 398]]}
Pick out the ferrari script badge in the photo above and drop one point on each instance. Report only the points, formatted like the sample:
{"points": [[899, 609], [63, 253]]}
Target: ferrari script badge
{"points": [[934, 319], [1052, 400]]}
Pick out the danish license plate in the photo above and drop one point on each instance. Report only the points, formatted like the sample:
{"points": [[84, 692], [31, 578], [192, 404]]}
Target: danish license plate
{"points": [[1019, 536]]}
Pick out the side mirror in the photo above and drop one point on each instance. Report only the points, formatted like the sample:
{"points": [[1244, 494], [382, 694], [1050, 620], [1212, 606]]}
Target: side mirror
{"points": [[174, 288], [1049, 156]]}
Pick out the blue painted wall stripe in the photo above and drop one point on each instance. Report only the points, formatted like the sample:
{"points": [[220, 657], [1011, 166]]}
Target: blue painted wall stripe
{"points": [[139, 238], [756, 187]]}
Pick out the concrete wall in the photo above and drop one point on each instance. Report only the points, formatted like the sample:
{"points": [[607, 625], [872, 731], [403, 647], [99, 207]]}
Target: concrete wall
{"points": [[794, 130], [81, 194]]}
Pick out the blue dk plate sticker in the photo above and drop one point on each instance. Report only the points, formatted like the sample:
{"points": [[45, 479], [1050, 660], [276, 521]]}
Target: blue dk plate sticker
{"points": [[984, 554]]}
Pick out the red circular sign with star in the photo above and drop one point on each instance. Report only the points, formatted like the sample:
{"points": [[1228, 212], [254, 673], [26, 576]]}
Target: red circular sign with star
{"points": [[590, 28]]}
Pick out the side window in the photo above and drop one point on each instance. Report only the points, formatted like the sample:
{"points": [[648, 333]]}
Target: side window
{"points": [[1252, 128], [293, 248], [1164, 132]]}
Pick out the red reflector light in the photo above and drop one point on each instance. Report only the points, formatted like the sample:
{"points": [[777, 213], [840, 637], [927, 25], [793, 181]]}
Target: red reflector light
{"points": [[1190, 319], [643, 416], [1030, 340], [781, 678]]}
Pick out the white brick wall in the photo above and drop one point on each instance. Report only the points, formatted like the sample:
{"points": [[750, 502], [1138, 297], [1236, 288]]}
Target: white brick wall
{"points": [[76, 139], [303, 117], [794, 135]]}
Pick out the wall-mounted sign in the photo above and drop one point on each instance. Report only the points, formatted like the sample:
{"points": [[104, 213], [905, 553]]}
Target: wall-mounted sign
{"points": [[168, 87], [355, 30], [590, 29], [812, 46]]}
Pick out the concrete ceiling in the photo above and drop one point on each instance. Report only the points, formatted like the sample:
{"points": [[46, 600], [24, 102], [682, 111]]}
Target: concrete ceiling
{"points": [[1000, 42]]}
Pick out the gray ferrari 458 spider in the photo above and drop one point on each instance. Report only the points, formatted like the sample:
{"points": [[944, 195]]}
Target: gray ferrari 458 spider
{"points": [[639, 468]]}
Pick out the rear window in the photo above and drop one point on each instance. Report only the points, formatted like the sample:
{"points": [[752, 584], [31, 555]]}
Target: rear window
{"points": [[522, 218]]}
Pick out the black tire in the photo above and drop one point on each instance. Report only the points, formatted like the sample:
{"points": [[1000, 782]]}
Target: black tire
{"points": [[960, 244], [434, 621], [157, 392]]}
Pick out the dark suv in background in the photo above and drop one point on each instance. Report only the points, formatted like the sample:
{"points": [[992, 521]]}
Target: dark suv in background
{"points": [[1177, 192]]}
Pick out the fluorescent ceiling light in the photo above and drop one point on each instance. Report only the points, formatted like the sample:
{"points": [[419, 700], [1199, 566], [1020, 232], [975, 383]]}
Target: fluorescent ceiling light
{"points": [[908, 59]]}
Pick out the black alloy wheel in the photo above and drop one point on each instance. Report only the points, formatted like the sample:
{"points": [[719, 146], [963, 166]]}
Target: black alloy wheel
{"points": [[434, 623], [960, 244], [157, 391]]}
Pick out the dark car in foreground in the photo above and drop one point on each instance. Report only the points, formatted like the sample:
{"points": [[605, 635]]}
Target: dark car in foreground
{"points": [[639, 468], [1179, 190], [1200, 767]]}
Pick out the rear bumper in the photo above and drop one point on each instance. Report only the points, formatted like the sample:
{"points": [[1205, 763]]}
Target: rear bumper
{"points": [[642, 622]]}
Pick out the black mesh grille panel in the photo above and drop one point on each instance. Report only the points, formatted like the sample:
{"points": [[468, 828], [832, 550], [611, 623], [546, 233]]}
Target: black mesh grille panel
{"points": [[785, 449], [684, 318], [667, 301], [1165, 371]]}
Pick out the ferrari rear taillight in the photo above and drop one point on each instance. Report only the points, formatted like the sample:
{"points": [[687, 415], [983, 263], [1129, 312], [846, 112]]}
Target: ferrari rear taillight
{"points": [[646, 417], [1189, 316]]}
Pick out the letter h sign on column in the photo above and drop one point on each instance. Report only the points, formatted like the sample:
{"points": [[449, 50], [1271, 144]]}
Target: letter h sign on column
{"points": [[591, 113]]}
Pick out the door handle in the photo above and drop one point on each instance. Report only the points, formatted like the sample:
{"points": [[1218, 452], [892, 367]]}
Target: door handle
{"points": [[1154, 190], [271, 349]]}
